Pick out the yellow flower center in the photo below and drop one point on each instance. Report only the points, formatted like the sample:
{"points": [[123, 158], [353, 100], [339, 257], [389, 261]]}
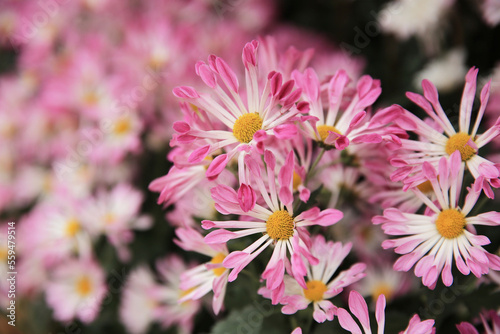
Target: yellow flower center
{"points": [[297, 181], [315, 290], [459, 142], [90, 98], [280, 225], [122, 126], [47, 183], [72, 227], [183, 293], [3, 253], [450, 223], [83, 286], [425, 187], [323, 131], [218, 259], [382, 289], [245, 127]]}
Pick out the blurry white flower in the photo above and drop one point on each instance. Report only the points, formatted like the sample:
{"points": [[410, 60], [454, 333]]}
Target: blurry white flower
{"points": [[446, 72], [421, 18]]}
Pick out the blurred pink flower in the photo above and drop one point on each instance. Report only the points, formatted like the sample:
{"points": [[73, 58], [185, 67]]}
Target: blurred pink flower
{"points": [[76, 290]]}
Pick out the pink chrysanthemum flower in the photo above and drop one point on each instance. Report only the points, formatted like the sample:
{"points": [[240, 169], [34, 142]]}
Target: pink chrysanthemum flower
{"points": [[346, 119], [115, 214], [140, 302], [359, 308], [468, 328], [320, 285], [177, 183], [432, 240], [76, 291], [278, 224], [381, 279], [206, 277], [433, 144], [248, 118]]}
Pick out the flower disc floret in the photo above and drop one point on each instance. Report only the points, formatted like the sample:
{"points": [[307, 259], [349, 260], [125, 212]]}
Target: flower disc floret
{"points": [[450, 223], [218, 259], [72, 227], [459, 142], [83, 286], [425, 187], [246, 126], [323, 131], [315, 290], [280, 225], [122, 126]]}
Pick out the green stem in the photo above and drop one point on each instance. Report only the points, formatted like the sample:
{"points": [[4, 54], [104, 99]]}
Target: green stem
{"points": [[315, 163]]}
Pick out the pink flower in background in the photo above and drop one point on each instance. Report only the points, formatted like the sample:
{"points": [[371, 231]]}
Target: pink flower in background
{"points": [[115, 214], [320, 283], [433, 144], [491, 12], [271, 59], [359, 308], [140, 302], [425, 20], [206, 277], [173, 312], [494, 317], [250, 118], [445, 232], [382, 279], [76, 290], [277, 223], [177, 183]]}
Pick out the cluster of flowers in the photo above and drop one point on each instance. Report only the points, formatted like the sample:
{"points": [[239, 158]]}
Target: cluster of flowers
{"points": [[275, 155], [86, 99], [250, 159]]}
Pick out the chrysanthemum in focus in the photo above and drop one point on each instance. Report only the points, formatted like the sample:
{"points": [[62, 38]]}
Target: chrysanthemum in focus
{"points": [[433, 144], [433, 240], [277, 224], [320, 283]]}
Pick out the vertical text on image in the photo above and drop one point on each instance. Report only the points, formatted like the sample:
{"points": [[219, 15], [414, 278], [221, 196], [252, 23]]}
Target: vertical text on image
{"points": [[11, 274]]}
